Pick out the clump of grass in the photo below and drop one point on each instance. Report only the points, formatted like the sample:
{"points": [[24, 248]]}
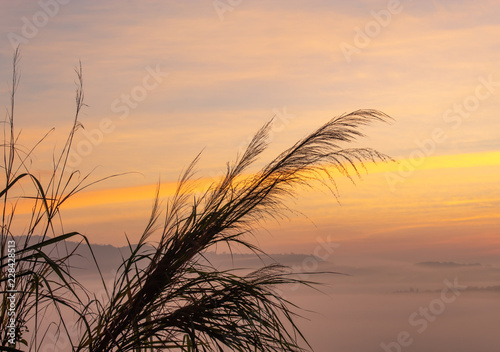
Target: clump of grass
{"points": [[40, 279], [175, 301], [164, 296]]}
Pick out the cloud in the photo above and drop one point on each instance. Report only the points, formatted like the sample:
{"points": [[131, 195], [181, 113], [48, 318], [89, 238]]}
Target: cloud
{"points": [[445, 264]]}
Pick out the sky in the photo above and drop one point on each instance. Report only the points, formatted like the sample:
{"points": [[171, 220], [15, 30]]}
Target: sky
{"points": [[166, 80]]}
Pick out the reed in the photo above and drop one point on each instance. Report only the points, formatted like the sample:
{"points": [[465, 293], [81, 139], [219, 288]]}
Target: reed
{"points": [[164, 295]]}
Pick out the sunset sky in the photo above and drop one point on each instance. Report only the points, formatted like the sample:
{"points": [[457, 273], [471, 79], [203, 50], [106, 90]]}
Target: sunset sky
{"points": [[165, 80]]}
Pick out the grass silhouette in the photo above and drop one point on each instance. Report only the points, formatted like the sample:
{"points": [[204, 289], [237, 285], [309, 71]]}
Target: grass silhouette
{"points": [[164, 296], [39, 278]]}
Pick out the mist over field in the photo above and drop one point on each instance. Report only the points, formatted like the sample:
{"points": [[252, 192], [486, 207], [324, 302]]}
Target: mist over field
{"points": [[377, 301]]}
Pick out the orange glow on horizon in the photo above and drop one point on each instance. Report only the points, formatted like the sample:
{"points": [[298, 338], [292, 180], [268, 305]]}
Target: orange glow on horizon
{"points": [[434, 163]]}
